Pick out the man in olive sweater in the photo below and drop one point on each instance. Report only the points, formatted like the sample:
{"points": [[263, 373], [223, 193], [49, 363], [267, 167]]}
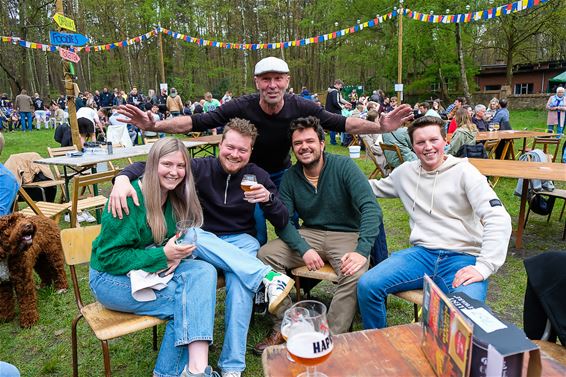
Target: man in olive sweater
{"points": [[341, 221]]}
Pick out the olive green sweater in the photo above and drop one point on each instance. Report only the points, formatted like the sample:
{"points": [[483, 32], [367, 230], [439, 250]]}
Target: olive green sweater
{"points": [[342, 202], [123, 244]]}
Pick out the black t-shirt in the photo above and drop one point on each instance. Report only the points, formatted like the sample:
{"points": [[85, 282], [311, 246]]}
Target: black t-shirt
{"points": [[271, 149]]}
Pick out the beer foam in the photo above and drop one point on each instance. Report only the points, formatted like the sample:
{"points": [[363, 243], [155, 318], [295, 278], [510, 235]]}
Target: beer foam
{"points": [[310, 345]]}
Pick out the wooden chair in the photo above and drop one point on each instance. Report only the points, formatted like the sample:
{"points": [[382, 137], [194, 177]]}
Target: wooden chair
{"points": [[490, 147], [47, 209], [95, 201], [416, 297], [378, 170], [106, 324], [545, 142], [392, 148], [149, 139], [325, 273], [18, 171]]}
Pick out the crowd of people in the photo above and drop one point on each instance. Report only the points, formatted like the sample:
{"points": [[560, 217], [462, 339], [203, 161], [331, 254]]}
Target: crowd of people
{"points": [[459, 229]]}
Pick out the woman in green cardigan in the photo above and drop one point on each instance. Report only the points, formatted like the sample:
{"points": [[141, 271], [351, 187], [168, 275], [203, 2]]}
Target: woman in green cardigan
{"points": [[145, 240]]}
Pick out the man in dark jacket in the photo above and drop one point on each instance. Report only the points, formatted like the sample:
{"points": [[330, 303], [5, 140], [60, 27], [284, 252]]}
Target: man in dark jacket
{"points": [[106, 98], [229, 214], [335, 103]]}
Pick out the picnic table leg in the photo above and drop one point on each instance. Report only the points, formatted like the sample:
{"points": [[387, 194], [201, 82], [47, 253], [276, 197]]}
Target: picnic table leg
{"points": [[521, 222]]}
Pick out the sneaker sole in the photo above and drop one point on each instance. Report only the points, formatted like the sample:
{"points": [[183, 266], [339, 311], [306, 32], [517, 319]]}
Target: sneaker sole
{"points": [[275, 304]]}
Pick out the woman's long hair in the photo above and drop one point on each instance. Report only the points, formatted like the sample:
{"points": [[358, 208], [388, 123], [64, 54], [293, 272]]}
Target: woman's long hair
{"points": [[184, 200], [464, 120]]}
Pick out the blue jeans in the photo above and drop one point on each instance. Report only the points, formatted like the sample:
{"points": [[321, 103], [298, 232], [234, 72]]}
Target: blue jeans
{"points": [[260, 225], [333, 137], [234, 254], [26, 119], [404, 271], [188, 302]]}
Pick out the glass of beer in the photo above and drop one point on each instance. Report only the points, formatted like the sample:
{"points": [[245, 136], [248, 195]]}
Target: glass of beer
{"points": [[186, 233], [248, 181], [293, 320], [309, 342], [495, 126]]}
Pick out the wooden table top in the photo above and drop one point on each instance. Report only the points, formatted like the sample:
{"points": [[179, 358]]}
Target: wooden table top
{"points": [[90, 158], [510, 134], [520, 169], [393, 351], [210, 139]]}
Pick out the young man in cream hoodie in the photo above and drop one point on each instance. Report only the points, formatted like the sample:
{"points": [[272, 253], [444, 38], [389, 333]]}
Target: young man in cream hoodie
{"points": [[459, 228]]}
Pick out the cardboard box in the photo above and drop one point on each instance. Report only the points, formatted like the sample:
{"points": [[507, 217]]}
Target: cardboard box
{"points": [[498, 347]]}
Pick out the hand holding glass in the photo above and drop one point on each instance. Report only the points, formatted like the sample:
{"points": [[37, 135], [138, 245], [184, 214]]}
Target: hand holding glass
{"points": [[248, 181], [309, 343], [186, 234]]}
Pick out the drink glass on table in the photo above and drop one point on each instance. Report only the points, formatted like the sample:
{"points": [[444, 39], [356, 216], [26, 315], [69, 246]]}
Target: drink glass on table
{"points": [[248, 181], [309, 343], [293, 320], [490, 127], [495, 126], [186, 233]]}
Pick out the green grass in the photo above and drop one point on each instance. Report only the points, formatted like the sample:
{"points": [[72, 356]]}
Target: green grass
{"points": [[44, 350]]}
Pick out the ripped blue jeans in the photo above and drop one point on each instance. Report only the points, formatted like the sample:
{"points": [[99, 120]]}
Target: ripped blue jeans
{"points": [[403, 271]]}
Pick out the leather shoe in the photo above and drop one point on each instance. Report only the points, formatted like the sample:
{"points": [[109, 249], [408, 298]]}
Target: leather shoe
{"points": [[274, 338]]}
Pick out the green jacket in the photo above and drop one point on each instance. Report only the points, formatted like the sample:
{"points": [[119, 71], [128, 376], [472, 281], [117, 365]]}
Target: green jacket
{"points": [[342, 202], [460, 137], [399, 137], [127, 244]]}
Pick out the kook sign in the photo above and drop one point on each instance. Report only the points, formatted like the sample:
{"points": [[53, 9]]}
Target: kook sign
{"points": [[69, 55], [67, 39]]}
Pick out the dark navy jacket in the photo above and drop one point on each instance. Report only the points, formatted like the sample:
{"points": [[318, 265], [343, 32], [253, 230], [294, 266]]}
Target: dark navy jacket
{"points": [[222, 200]]}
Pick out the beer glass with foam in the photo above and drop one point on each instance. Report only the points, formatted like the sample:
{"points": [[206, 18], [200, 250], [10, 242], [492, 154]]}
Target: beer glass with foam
{"points": [[309, 342], [294, 320], [248, 181]]}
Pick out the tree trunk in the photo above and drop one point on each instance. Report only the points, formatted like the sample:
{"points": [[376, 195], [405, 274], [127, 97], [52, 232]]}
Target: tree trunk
{"points": [[462, 65]]}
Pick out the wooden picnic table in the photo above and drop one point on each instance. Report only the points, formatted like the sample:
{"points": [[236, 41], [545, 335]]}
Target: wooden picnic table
{"points": [[393, 351], [520, 169], [89, 159], [507, 137], [209, 148]]}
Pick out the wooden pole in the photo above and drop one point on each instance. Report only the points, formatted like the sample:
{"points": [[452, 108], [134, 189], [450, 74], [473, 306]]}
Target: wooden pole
{"points": [[400, 53], [161, 60], [70, 91]]}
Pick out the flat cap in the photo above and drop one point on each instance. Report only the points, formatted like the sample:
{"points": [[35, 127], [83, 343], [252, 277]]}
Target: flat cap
{"points": [[271, 64]]}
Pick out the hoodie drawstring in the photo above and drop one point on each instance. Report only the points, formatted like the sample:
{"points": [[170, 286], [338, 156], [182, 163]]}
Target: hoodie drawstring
{"points": [[417, 191], [226, 189]]}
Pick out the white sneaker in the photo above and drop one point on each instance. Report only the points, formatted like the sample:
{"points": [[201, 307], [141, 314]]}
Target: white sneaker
{"points": [[88, 217], [277, 289], [231, 374], [81, 218]]}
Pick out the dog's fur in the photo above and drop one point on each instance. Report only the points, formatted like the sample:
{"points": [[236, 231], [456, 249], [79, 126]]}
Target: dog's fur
{"points": [[29, 243]]}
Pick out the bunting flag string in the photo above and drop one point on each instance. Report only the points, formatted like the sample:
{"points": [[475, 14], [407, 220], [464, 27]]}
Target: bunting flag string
{"points": [[481, 15]]}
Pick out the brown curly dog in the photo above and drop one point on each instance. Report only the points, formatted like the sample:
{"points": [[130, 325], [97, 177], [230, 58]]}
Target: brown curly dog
{"points": [[28, 243]]}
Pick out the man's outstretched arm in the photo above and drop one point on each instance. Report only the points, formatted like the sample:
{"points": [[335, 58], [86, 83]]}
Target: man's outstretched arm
{"points": [[144, 120], [387, 122]]}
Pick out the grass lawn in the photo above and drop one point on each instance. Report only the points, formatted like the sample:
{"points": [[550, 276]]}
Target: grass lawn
{"points": [[44, 350]]}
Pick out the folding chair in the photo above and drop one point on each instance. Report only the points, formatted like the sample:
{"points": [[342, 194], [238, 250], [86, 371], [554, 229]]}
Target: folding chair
{"points": [[47, 209], [106, 324], [96, 201], [392, 148], [378, 169], [546, 141]]}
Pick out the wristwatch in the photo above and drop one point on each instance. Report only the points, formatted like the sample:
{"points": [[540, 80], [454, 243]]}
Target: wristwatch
{"points": [[271, 199]]}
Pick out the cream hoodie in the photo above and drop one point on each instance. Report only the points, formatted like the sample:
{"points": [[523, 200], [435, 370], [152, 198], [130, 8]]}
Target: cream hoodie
{"points": [[451, 208]]}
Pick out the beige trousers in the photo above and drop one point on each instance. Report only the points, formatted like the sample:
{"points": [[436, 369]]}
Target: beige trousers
{"points": [[331, 246]]}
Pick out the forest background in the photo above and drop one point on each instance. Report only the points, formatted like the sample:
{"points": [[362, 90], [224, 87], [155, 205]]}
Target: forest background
{"points": [[439, 60]]}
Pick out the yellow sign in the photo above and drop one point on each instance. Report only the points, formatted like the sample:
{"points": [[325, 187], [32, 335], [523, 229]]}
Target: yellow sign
{"points": [[64, 22]]}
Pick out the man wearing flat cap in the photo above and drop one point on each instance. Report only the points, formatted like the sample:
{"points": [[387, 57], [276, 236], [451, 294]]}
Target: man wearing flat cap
{"points": [[271, 110]]}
